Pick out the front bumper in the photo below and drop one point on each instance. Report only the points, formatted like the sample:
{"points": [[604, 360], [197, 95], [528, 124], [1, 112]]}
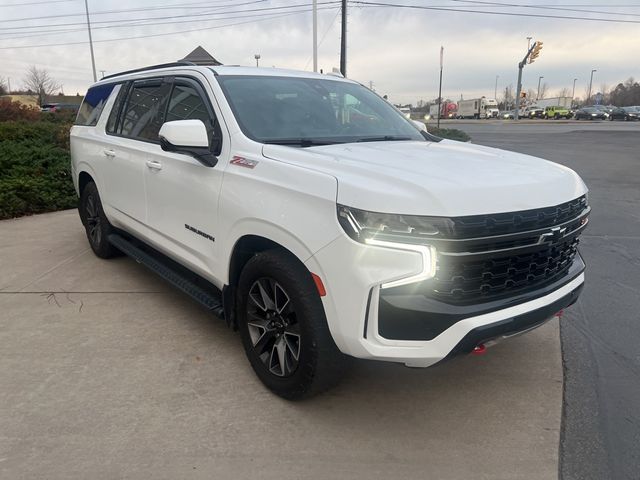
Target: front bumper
{"points": [[359, 322]]}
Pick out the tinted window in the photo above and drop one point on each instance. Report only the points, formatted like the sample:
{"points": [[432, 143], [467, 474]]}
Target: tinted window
{"points": [[117, 106], [93, 104], [271, 109], [144, 111], [186, 104]]}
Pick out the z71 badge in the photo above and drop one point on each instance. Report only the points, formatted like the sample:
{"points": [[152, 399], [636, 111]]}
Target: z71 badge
{"points": [[243, 162]]}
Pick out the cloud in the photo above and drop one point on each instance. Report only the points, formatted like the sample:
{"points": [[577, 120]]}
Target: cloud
{"points": [[396, 49]]}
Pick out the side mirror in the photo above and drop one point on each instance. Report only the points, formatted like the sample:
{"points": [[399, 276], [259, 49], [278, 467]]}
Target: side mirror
{"points": [[188, 137], [419, 125]]}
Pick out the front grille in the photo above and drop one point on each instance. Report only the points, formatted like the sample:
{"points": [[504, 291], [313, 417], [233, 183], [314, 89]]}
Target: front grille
{"points": [[487, 257]]}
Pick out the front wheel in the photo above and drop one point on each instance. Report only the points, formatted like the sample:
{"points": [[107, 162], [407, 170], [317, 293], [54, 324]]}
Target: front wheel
{"points": [[283, 327]]}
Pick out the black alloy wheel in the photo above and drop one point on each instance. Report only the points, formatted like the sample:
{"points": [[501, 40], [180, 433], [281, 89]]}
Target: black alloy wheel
{"points": [[273, 327], [95, 222], [283, 326]]}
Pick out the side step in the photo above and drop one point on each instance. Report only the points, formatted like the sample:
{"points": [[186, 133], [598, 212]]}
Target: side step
{"points": [[196, 287]]}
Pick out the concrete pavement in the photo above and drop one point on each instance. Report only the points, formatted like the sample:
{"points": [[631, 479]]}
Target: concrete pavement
{"points": [[107, 372]]}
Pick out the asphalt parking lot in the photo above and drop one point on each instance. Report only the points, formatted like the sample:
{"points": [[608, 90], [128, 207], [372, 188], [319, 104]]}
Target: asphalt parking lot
{"points": [[601, 333], [107, 372]]}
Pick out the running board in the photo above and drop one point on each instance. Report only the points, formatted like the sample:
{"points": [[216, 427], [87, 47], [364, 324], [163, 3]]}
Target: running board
{"points": [[173, 273]]}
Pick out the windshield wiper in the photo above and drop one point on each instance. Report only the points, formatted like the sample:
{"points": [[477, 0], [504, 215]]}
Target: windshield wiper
{"points": [[385, 138], [303, 142]]}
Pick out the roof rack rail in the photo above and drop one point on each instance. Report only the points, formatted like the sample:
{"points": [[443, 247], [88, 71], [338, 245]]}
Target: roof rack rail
{"points": [[152, 67]]}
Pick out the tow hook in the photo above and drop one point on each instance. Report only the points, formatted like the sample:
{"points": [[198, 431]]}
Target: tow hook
{"points": [[479, 349]]}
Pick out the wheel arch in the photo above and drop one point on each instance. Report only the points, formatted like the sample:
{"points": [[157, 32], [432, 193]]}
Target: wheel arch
{"points": [[84, 178]]}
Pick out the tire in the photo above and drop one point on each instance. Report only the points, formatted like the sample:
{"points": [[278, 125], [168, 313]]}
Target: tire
{"points": [[95, 222], [557, 116], [283, 327]]}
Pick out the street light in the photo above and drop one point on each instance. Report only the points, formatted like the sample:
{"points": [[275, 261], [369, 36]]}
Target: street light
{"points": [[538, 94], [495, 90], [257, 57], [573, 92], [590, 83]]}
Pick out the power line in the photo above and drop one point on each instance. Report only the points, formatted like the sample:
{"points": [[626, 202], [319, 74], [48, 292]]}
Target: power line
{"points": [[565, 9], [35, 3], [174, 6], [134, 23], [158, 34], [510, 14], [21, 27]]}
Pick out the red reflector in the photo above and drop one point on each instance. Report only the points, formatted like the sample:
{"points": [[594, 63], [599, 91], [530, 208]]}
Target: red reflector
{"points": [[559, 314], [319, 284], [479, 350]]}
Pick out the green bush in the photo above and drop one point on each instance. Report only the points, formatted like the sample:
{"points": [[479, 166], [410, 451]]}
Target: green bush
{"points": [[35, 173], [449, 133]]}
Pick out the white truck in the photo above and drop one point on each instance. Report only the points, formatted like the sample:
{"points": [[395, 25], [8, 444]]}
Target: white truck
{"points": [[478, 108], [554, 102], [314, 218]]}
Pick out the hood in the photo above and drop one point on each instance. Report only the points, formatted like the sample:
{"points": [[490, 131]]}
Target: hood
{"points": [[446, 178]]}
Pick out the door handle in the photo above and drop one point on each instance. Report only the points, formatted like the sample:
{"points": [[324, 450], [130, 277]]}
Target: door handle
{"points": [[109, 153], [154, 165]]}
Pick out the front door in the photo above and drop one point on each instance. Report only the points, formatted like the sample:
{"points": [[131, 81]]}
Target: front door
{"points": [[182, 193]]}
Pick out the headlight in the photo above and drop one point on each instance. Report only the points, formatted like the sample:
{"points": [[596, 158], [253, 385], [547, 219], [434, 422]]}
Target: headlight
{"points": [[400, 232]]}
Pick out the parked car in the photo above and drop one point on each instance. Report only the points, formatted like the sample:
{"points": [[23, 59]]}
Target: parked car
{"points": [[556, 112], [618, 114], [318, 234], [590, 113], [633, 113], [533, 112], [60, 107], [48, 107], [507, 114]]}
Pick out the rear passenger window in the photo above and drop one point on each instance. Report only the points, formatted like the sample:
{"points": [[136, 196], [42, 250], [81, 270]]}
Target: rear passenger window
{"points": [[93, 104], [112, 123], [143, 113]]}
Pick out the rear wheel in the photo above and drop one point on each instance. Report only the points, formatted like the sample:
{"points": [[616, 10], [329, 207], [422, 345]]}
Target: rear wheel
{"points": [[557, 116], [283, 327], [95, 222]]}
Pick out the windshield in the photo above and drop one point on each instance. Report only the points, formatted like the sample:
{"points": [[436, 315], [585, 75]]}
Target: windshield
{"points": [[311, 111]]}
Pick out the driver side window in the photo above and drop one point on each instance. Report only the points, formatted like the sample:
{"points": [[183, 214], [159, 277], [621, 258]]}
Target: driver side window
{"points": [[186, 103]]}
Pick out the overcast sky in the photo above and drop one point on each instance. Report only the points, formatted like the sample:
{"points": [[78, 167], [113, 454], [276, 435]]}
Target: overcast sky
{"points": [[395, 48]]}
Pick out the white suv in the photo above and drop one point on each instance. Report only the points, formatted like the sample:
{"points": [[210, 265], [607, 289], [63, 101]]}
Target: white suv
{"points": [[313, 217]]}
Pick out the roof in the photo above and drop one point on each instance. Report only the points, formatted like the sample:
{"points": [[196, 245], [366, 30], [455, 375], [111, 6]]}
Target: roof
{"points": [[222, 71], [200, 56]]}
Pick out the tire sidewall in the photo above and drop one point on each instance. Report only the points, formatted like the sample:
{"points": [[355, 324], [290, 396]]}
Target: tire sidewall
{"points": [[104, 249], [309, 312]]}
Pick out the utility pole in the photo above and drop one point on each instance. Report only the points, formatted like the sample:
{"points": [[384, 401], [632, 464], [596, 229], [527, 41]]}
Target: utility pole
{"points": [[371, 85], [590, 83], [9, 85], [102, 72], [495, 90], [573, 92], [93, 60], [343, 41], [538, 94], [531, 55], [315, 35], [440, 87]]}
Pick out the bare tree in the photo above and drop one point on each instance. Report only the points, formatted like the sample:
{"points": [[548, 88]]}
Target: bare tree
{"points": [[564, 92], [544, 88], [3, 86], [40, 84]]}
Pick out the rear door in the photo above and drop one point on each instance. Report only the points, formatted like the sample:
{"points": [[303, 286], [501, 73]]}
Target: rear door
{"points": [[133, 132], [182, 193]]}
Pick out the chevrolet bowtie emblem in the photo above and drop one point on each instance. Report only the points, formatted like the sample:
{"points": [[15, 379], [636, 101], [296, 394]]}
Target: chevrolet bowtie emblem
{"points": [[553, 236]]}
